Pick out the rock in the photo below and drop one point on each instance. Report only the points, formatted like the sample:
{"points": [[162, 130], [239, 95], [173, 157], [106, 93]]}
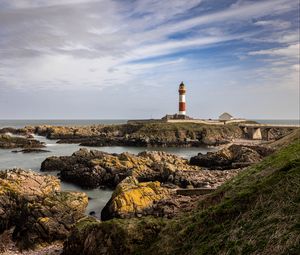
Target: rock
{"points": [[92, 213], [8, 246], [125, 236], [16, 131], [30, 151], [10, 142], [147, 134], [94, 169], [234, 156], [48, 219], [142, 134], [92, 237], [34, 205], [27, 183], [90, 168], [132, 198]]}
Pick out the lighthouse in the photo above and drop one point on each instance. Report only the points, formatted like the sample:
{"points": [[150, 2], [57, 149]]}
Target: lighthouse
{"points": [[182, 107]]}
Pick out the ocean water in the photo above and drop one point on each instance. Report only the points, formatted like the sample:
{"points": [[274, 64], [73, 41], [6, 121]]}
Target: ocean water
{"points": [[284, 121], [83, 122], [59, 122], [98, 197]]}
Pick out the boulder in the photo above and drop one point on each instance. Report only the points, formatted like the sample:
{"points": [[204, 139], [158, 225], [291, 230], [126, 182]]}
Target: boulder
{"points": [[31, 150], [117, 236], [234, 156], [132, 198], [8, 141], [34, 205], [48, 218]]}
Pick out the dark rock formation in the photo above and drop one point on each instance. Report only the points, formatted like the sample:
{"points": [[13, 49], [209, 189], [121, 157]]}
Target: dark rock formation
{"points": [[34, 205], [16, 131], [94, 169], [30, 151], [146, 134], [91, 237], [10, 142], [82, 170], [136, 199], [234, 156]]}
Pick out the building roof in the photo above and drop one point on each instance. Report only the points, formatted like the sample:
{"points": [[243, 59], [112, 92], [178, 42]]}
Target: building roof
{"points": [[225, 115]]}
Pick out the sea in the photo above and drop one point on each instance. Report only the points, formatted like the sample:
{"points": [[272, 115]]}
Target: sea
{"points": [[97, 197]]}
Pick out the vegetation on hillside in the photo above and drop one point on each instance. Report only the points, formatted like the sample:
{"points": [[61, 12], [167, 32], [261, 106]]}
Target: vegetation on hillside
{"points": [[257, 212]]}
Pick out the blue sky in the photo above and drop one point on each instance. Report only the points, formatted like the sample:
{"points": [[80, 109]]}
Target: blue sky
{"points": [[126, 58]]}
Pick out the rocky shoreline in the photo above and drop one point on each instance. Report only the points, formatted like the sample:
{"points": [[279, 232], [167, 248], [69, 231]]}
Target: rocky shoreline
{"points": [[36, 209], [28, 144], [93, 168], [143, 135]]}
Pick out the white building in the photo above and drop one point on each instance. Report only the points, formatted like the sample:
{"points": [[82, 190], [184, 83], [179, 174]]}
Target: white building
{"points": [[225, 116]]}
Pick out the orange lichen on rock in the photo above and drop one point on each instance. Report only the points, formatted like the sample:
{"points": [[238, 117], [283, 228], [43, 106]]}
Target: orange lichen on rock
{"points": [[132, 197]]}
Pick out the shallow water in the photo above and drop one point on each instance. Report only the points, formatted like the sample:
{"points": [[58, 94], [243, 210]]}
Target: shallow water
{"points": [[98, 197], [59, 122]]}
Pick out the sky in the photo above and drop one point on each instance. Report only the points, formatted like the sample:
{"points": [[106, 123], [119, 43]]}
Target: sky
{"points": [[122, 59]]}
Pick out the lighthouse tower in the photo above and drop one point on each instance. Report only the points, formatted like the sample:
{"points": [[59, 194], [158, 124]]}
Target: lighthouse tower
{"points": [[182, 107]]}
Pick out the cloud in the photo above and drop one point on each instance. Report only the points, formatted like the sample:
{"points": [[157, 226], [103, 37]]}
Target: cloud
{"points": [[236, 12], [27, 4], [100, 44], [291, 51], [277, 24]]}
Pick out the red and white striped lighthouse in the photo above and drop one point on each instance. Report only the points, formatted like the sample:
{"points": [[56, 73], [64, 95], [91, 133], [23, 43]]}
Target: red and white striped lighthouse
{"points": [[182, 91]]}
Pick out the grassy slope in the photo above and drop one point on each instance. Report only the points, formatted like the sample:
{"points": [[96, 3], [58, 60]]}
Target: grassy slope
{"points": [[256, 213]]}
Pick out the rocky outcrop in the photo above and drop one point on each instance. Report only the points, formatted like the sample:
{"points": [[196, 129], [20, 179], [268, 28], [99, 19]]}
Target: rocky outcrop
{"points": [[10, 142], [118, 236], [17, 131], [34, 205], [95, 169], [30, 151], [146, 134], [234, 156], [89, 169], [132, 198]]}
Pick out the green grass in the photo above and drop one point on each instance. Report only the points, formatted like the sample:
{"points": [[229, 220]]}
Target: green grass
{"points": [[257, 212]]}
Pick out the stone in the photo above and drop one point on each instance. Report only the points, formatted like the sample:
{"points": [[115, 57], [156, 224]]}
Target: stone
{"points": [[234, 156], [92, 237], [132, 198], [31, 150], [34, 205], [8, 141], [94, 169]]}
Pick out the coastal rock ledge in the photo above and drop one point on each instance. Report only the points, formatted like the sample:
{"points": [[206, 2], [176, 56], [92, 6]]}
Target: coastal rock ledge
{"points": [[35, 207], [8, 141], [234, 156], [92, 169]]}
